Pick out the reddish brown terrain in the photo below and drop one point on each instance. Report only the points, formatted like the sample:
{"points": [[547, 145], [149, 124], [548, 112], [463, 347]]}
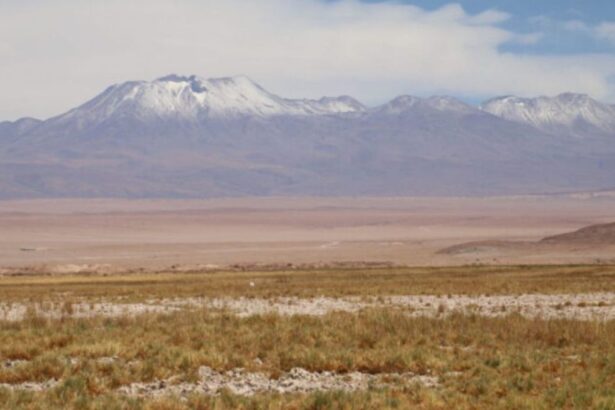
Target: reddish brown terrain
{"points": [[107, 235], [594, 235], [595, 240]]}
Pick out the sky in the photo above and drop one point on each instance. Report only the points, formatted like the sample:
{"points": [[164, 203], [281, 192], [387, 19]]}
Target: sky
{"points": [[55, 55]]}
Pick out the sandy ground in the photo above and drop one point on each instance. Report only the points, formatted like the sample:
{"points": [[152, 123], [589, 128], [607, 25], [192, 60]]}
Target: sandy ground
{"points": [[78, 235]]}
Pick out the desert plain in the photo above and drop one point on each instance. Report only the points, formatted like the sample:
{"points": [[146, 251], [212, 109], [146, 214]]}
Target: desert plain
{"points": [[67, 235], [431, 303]]}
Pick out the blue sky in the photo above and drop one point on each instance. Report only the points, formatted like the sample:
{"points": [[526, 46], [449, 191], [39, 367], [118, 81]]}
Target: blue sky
{"points": [[564, 27], [548, 17], [56, 55]]}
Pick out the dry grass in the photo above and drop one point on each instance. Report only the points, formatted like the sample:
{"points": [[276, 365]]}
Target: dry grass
{"points": [[483, 363], [470, 280], [508, 362]]}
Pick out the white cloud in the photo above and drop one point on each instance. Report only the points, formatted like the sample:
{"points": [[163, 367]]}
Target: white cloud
{"points": [[603, 31], [527, 39], [576, 25], [606, 31], [57, 54]]}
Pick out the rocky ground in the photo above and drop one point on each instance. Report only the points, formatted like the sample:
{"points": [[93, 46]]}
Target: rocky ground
{"points": [[240, 382], [587, 306], [297, 380]]}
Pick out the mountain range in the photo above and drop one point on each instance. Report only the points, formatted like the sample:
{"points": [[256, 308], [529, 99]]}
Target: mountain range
{"points": [[186, 136]]}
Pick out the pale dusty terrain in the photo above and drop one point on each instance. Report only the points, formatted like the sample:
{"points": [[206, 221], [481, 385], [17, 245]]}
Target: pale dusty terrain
{"points": [[60, 236], [240, 382], [581, 306], [297, 380]]}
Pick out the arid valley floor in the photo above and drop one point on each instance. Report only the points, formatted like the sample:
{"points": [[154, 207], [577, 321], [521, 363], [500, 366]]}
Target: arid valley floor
{"points": [[432, 303], [69, 236]]}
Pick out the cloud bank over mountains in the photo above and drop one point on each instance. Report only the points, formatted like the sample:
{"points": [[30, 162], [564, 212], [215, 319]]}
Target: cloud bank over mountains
{"points": [[299, 48]]}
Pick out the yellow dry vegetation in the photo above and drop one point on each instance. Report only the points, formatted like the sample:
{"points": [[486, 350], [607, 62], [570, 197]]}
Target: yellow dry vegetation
{"points": [[508, 362]]}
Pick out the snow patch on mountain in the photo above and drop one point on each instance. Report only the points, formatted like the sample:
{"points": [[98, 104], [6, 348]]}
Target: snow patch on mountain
{"points": [[194, 98], [185, 136], [405, 103], [573, 112]]}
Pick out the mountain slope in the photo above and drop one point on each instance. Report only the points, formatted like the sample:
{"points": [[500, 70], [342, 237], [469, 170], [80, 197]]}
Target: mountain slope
{"points": [[19, 127], [571, 114], [603, 234], [193, 137], [192, 98]]}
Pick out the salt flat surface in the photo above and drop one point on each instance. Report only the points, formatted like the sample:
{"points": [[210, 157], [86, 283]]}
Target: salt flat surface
{"points": [[587, 306], [243, 383], [564, 306], [297, 380]]}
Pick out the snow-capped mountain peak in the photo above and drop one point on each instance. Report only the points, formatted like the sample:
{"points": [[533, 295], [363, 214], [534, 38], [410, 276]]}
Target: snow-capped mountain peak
{"points": [[565, 112], [341, 104], [446, 103], [188, 136], [404, 103], [194, 98]]}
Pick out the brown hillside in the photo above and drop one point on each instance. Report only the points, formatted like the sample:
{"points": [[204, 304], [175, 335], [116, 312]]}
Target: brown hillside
{"points": [[603, 234]]}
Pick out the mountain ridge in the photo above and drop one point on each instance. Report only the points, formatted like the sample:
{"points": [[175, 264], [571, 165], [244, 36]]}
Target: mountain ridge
{"points": [[576, 114], [185, 136], [241, 90]]}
